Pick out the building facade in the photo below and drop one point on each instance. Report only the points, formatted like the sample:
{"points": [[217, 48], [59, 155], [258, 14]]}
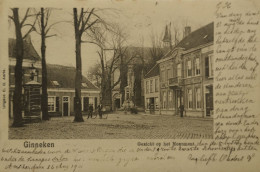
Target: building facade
{"points": [[61, 91], [186, 75], [152, 91]]}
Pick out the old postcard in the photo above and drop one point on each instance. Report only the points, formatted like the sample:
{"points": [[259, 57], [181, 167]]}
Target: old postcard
{"points": [[129, 85]]}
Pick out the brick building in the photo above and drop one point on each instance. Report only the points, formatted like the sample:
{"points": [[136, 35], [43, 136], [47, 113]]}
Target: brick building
{"points": [[186, 74]]}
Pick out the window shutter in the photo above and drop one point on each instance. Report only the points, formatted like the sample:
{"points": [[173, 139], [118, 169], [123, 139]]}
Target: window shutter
{"points": [[207, 66], [57, 104], [95, 102]]}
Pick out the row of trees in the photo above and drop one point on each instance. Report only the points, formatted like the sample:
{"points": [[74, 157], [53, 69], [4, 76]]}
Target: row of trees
{"points": [[89, 27]]}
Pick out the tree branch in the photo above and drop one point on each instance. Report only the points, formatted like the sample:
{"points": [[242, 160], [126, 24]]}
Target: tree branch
{"points": [[48, 36], [86, 21], [25, 17], [31, 29], [90, 25]]}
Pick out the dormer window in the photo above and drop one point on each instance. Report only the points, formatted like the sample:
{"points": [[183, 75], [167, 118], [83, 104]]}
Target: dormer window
{"points": [[55, 83], [84, 84]]}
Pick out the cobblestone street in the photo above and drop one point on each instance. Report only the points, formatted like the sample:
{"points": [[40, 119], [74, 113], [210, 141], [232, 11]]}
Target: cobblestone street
{"points": [[118, 126]]}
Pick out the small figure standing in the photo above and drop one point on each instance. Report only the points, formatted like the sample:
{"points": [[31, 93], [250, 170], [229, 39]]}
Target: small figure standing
{"points": [[90, 111], [181, 110], [100, 111]]}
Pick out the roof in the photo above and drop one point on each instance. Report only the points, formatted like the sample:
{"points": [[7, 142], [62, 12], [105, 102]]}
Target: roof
{"points": [[167, 35], [201, 36], [198, 37], [29, 50], [153, 72], [64, 77]]}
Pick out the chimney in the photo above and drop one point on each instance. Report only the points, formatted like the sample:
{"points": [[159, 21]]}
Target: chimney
{"points": [[187, 31]]}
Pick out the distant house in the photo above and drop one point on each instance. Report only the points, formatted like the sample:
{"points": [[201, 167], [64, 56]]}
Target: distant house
{"points": [[152, 90], [186, 74], [61, 91]]}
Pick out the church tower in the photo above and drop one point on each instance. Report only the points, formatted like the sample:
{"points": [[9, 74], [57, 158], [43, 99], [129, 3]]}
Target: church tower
{"points": [[167, 39]]}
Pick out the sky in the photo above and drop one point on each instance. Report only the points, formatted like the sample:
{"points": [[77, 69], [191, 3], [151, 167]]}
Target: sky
{"points": [[138, 19]]}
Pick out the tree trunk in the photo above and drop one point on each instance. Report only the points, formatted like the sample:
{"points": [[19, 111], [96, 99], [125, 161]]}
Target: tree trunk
{"points": [[123, 79], [78, 78], [17, 97], [44, 102], [107, 95]]}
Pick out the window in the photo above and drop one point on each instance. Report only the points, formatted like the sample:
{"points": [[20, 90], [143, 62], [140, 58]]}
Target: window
{"points": [[147, 87], [189, 98], [189, 69], [170, 99], [179, 70], [51, 104], [198, 98], [151, 86], [164, 100], [156, 85], [169, 73], [211, 70], [209, 66], [197, 66], [163, 76]]}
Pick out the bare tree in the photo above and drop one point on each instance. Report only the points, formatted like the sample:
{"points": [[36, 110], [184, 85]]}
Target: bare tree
{"points": [[94, 74], [83, 21], [156, 50], [19, 24], [176, 33], [44, 27], [111, 40]]}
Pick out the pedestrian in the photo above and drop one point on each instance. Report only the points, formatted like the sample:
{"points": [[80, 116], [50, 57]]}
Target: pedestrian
{"points": [[100, 111], [181, 110], [90, 111]]}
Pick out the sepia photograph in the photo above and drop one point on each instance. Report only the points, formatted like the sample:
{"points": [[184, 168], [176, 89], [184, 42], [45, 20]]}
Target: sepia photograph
{"points": [[111, 72], [129, 85]]}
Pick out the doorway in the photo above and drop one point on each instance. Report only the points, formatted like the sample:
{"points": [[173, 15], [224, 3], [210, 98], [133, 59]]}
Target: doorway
{"points": [[117, 103], [65, 106]]}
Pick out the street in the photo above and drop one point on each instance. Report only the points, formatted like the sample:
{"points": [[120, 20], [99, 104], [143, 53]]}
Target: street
{"points": [[118, 126]]}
